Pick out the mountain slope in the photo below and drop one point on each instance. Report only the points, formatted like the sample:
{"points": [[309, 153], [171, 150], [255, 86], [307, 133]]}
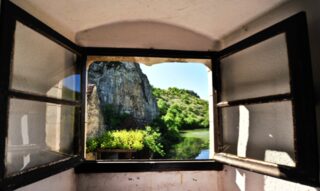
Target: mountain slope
{"points": [[182, 109]]}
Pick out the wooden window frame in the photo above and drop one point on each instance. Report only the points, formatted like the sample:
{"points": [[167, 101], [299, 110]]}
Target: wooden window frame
{"points": [[301, 96], [10, 15]]}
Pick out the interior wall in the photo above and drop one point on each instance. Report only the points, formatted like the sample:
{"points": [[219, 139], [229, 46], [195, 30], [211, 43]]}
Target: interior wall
{"points": [[146, 181], [64, 181], [233, 178]]}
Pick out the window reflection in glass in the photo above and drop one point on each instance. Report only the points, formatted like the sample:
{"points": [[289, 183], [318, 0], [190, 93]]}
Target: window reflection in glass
{"points": [[43, 67], [38, 133], [260, 131]]}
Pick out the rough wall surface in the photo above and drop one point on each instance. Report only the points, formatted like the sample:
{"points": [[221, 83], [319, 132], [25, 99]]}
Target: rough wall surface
{"points": [[148, 181]]}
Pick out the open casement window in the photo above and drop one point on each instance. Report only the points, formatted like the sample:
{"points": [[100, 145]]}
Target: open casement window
{"points": [[264, 110], [40, 100], [264, 117]]}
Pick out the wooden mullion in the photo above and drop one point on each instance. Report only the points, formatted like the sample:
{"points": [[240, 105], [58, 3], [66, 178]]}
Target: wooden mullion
{"points": [[82, 135], [303, 103], [6, 46], [218, 132], [40, 98], [256, 100]]}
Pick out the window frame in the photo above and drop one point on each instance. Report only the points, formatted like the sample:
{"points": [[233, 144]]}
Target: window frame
{"points": [[301, 95], [10, 15], [143, 165]]}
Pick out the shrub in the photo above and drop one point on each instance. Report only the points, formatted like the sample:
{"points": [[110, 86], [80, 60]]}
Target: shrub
{"points": [[128, 139], [92, 144], [122, 139], [152, 141]]}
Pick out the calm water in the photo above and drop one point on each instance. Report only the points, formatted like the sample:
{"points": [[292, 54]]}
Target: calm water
{"points": [[204, 154]]}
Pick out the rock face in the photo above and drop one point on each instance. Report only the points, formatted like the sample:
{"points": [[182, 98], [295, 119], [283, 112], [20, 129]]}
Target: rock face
{"points": [[95, 122], [123, 86]]}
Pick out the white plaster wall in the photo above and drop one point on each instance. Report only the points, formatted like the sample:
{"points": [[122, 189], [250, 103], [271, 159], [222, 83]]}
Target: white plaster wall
{"points": [[129, 22], [64, 181], [235, 179], [147, 181]]}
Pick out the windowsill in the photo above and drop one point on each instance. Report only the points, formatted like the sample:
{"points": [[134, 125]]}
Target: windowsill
{"points": [[146, 166], [293, 174]]}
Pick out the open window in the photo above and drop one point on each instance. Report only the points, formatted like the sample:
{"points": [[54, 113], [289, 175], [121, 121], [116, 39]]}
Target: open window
{"points": [[264, 111], [262, 120], [40, 100]]}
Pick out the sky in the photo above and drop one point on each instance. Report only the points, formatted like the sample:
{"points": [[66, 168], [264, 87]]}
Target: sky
{"points": [[72, 82], [191, 76]]}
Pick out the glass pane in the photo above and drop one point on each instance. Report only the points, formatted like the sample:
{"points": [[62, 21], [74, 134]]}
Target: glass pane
{"points": [[260, 131], [259, 70], [135, 111], [38, 133], [43, 67]]}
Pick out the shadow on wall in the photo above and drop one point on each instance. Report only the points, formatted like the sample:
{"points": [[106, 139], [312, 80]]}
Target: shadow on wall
{"points": [[241, 180], [145, 34]]}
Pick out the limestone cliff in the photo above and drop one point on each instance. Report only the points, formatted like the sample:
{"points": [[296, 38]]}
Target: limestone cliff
{"points": [[123, 86], [95, 122]]}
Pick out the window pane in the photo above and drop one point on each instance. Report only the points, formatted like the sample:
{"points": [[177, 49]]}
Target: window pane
{"points": [[260, 70], [260, 131], [38, 133], [43, 67]]}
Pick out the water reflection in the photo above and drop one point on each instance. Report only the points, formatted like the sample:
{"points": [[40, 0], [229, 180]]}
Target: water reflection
{"points": [[204, 154]]}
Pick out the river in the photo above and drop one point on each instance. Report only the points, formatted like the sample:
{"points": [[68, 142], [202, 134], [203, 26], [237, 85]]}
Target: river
{"points": [[204, 154]]}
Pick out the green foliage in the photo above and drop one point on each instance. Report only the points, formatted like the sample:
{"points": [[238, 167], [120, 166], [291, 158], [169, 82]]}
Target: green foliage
{"points": [[122, 139], [92, 144], [169, 135], [181, 109], [152, 141], [127, 139]]}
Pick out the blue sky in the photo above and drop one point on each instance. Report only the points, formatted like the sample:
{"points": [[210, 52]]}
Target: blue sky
{"points": [[191, 76], [72, 82]]}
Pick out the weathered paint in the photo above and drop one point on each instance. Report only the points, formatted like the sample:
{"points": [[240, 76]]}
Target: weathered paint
{"points": [[150, 181]]}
